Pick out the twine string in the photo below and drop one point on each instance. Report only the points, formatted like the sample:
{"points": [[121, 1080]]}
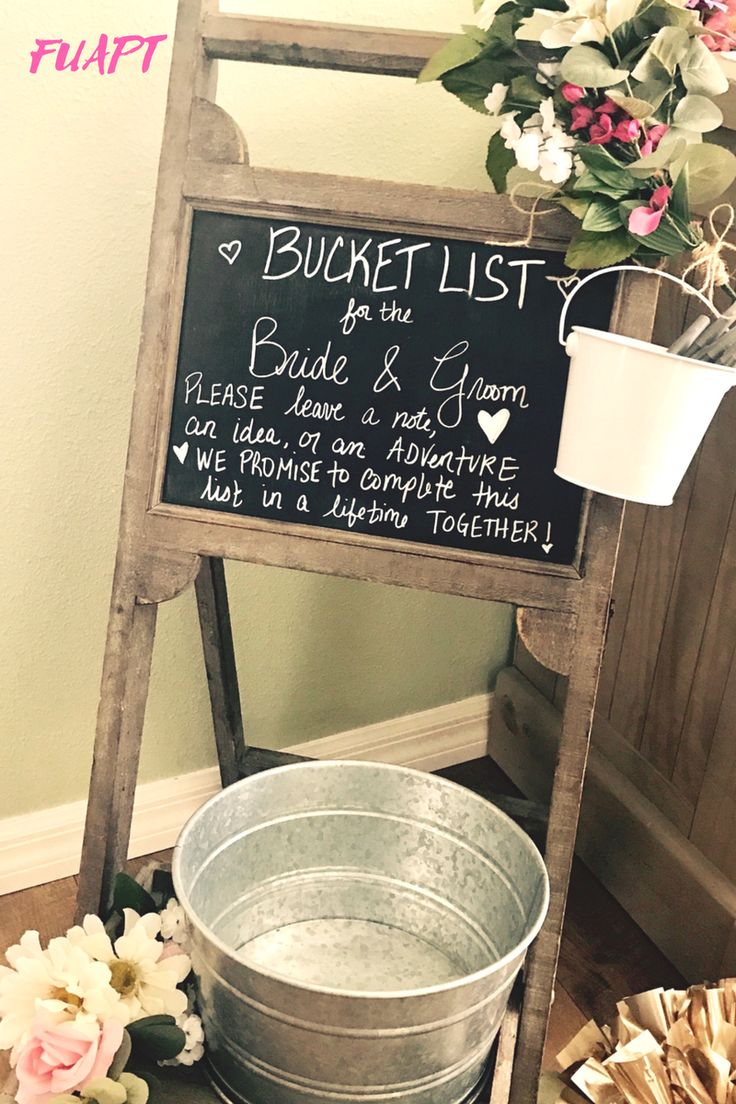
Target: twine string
{"points": [[532, 213], [708, 261]]}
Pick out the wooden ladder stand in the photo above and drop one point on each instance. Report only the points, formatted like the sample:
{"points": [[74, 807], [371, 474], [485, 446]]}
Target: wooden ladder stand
{"points": [[562, 613]]}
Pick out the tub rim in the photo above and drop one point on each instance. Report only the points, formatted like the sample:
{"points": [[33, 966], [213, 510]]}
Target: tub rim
{"points": [[328, 764]]}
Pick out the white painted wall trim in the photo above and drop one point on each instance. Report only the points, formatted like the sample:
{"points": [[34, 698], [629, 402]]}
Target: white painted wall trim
{"points": [[43, 846]]}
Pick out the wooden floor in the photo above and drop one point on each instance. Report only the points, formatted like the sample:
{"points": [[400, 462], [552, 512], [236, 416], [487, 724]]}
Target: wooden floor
{"points": [[605, 955]]}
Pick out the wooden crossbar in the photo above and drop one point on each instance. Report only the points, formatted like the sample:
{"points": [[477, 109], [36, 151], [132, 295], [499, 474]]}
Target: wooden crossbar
{"points": [[310, 45]]}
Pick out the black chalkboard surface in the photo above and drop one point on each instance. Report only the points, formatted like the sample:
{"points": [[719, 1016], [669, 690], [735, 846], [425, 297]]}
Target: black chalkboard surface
{"points": [[376, 383]]}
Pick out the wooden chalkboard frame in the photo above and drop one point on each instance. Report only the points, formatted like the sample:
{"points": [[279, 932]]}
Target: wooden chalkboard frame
{"points": [[274, 542], [563, 612]]}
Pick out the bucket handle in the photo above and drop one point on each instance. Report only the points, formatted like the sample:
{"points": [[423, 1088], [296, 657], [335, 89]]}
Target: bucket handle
{"points": [[629, 268]]}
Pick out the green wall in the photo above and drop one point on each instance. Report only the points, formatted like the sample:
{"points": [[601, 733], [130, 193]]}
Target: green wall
{"points": [[316, 655]]}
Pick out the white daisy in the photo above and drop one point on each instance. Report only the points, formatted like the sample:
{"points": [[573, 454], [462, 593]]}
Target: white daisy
{"points": [[147, 984], [62, 979]]}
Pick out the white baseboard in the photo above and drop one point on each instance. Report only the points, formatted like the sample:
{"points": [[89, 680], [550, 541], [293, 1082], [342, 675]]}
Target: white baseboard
{"points": [[43, 846]]}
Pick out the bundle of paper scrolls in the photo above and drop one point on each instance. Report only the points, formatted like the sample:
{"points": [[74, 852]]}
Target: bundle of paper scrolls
{"points": [[665, 1047]]}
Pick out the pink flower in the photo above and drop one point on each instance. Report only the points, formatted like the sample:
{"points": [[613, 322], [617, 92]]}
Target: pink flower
{"points": [[652, 138], [627, 130], [62, 1057], [608, 107], [581, 117], [645, 220], [572, 92], [723, 26], [601, 132]]}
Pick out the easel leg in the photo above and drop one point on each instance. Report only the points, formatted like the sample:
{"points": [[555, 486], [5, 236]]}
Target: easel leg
{"points": [[125, 679], [219, 659], [567, 789]]}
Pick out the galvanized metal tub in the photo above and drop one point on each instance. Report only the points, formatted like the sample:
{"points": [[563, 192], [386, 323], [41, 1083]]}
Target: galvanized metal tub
{"points": [[356, 932]]}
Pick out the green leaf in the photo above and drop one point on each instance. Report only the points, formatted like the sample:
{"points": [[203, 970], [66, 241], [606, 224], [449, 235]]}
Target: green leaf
{"points": [[127, 893], [701, 73], [671, 237], [653, 14], [576, 206], [499, 162], [157, 1037], [649, 68], [638, 109], [591, 250], [697, 113], [680, 198], [503, 28], [120, 1060], [525, 90], [663, 156], [606, 168], [589, 67], [471, 83], [646, 98], [135, 1087], [103, 1090], [476, 33], [710, 171], [602, 215], [458, 51], [670, 46], [590, 187]]}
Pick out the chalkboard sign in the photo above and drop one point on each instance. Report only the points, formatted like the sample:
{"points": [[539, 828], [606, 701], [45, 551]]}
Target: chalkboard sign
{"points": [[375, 383]]}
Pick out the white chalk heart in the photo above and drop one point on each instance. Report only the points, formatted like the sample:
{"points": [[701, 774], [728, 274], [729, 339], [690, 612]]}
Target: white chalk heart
{"points": [[180, 451], [548, 547], [230, 251], [566, 285], [493, 425]]}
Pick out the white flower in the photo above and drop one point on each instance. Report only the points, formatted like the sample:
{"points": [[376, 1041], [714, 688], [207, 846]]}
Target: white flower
{"points": [[527, 151], [547, 111], [494, 100], [62, 979], [193, 1050], [146, 982], [174, 923], [510, 130], [584, 21], [542, 146], [548, 71], [487, 13], [555, 163]]}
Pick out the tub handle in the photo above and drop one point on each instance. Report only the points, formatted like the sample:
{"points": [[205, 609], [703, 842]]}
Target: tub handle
{"points": [[630, 268]]}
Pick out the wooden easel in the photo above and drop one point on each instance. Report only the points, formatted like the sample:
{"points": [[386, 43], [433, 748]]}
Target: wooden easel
{"points": [[562, 612]]}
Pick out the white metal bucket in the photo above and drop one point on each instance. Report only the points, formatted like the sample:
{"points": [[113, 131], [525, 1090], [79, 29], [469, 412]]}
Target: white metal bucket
{"points": [[634, 413]]}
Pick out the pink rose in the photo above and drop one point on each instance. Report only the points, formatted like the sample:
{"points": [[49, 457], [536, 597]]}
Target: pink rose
{"points": [[722, 24], [572, 92], [581, 117], [627, 130], [652, 138], [63, 1057], [601, 132], [645, 220]]}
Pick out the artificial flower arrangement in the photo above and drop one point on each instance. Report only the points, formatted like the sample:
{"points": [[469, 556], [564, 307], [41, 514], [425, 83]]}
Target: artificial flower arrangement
{"points": [[88, 1018], [607, 103]]}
